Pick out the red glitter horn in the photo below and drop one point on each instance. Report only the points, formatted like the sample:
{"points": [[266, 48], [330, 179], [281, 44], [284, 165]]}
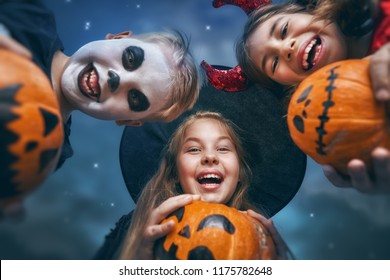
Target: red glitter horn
{"points": [[246, 5], [231, 80], [234, 79]]}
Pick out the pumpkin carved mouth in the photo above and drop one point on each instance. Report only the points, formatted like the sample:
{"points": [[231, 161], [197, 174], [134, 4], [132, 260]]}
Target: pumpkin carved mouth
{"points": [[88, 82]]}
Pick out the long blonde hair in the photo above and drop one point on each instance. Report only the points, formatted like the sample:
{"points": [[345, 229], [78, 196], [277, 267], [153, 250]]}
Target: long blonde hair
{"points": [[164, 184]]}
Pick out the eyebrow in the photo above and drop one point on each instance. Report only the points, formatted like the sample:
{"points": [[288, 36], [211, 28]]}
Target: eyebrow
{"points": [[196, 139], [273, 27], [263, 62]]}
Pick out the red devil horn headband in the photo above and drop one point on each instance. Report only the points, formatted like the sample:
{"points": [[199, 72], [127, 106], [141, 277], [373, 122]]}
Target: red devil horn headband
{"points": [[231, 80], [246, 5], [234, 79]]}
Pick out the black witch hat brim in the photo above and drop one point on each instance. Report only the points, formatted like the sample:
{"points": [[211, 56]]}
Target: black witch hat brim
{"points": [[278, 166]]}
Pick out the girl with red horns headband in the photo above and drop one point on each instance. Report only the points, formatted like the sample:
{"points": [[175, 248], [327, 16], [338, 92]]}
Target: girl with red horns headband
{"points": [[341, 30]]}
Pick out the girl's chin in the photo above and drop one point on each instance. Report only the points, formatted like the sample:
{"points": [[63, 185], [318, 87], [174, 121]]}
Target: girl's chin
{"points": [[210, 199]]}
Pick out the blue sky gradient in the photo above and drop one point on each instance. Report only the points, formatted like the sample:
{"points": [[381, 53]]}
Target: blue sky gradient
{"points": [[69, 215]]}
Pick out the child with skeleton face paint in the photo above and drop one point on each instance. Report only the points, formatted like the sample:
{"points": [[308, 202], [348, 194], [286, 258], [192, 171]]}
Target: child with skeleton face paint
{"points": [[131, 79], [125, 78]]}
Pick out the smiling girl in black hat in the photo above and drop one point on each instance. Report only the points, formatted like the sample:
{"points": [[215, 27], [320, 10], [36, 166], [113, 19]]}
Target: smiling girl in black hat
{"points": [[277, 165], [204, 159]]}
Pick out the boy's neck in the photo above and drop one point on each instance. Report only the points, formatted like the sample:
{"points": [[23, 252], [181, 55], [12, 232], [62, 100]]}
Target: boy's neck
{"points": [[57, 68]]}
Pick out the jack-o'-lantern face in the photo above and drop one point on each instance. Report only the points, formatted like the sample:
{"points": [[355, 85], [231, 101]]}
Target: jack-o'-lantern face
{"points": [[214, 231], [333, 116], [30, 127]]}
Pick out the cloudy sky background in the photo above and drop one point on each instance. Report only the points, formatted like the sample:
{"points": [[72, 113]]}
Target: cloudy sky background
{"points": [[68, 216]]}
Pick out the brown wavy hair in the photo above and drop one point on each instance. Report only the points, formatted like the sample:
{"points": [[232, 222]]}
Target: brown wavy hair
{"points": [[353, 17], [165, 183]]}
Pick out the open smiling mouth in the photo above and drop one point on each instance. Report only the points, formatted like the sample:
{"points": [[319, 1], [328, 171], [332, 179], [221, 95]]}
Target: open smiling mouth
{"points": [[311, 53], [210, 180], [88, 82]]}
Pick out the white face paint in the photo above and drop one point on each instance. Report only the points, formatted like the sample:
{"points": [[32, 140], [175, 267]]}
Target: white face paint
{"points": [[118, 79]]}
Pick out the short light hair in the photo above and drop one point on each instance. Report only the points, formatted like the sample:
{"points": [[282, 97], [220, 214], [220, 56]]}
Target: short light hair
{"points": [[185, 77]]}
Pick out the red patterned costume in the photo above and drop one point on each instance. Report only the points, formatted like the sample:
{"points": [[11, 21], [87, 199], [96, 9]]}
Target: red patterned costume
{"points": [[382, 32]]}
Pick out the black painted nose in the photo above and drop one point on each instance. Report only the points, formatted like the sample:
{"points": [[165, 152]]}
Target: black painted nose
{"points": [[113, 81]]}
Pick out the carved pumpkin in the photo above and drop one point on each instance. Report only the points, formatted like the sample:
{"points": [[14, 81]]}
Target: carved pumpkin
{"points": [[30, 127], [214, 231], [333, 116]]}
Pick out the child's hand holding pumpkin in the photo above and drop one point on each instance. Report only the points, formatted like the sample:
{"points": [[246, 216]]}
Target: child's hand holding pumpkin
{"points": [[380, 74], [360, 179], [154, 230]]}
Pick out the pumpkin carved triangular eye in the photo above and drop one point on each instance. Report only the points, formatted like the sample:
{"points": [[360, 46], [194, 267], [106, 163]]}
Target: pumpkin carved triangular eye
{"points": [[185, 232], [51, 120], [217, 221], [304, 94], [298, 120], [179, 213]]}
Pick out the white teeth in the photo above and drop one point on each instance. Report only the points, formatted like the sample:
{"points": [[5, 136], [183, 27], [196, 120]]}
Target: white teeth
{"points": [[317, 54], [85, 83], [89, 82], [92, 81], [209, 176], [305, 57]]}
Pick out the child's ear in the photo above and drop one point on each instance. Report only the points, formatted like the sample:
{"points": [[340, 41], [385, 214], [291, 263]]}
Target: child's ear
{"points": [[129, 123], [123, 34]]}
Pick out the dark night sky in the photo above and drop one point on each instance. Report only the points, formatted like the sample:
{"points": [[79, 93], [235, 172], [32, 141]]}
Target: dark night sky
{"points": [[68, 216]]}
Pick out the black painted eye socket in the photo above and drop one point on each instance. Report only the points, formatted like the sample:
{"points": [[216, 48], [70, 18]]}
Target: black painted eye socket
{"points": [[132, 58], [138, 102]]}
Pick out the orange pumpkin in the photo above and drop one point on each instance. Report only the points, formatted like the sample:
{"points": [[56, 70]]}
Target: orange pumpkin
{"points": [[30, 127], [333, 116], [214, 231]]}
